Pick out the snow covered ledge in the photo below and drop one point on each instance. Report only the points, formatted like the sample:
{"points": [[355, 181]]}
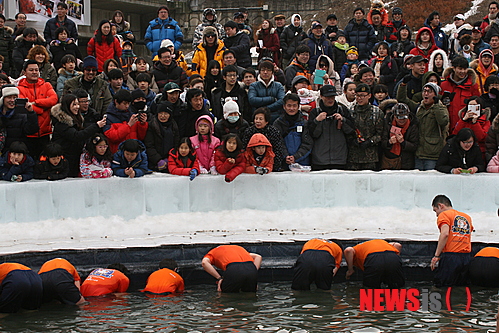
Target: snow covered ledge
{"points": [[162, 209]]}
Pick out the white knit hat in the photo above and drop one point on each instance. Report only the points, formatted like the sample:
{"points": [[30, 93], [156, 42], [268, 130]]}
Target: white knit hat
{"points": [[8, 91], [230, 106], [166, 43]]}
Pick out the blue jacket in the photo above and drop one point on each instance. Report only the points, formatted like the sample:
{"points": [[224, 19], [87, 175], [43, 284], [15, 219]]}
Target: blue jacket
{"points": [[139, 164], [361, 35], [321, 46], [163, 29], [440, 37], [297, 139], [259, 95], [25, 169]]}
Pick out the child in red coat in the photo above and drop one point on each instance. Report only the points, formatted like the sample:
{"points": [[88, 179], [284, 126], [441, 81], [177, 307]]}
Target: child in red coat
{"points": [[182, 161], [259, 155], [229, 157]]}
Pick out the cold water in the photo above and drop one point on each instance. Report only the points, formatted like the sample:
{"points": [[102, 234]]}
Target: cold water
{"points": [[275, 308]]}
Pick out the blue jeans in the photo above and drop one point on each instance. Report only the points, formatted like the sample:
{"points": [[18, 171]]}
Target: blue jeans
{"points": [[424, 164]]}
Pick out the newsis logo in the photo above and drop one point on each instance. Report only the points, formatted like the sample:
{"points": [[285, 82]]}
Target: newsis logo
{"points": [[411, 299]]}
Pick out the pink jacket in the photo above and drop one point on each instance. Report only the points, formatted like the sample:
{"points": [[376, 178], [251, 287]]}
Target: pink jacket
{"points": [[91, 168], [493, 165], [204, 150]]}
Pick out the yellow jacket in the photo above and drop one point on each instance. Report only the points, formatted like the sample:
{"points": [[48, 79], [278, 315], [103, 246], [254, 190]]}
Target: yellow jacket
{"points": [[200, 61]]}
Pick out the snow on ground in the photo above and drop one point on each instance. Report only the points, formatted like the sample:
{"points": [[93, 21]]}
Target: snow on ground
{"points": [[234, 226]]}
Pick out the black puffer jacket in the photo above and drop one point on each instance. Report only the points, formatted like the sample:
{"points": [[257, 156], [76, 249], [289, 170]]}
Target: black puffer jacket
{"points": [[240, 44], [290, 38], [6, 47], [453, 156], [159, 140], [361, 35], [70, 137], [17, 126], [172, 73]]}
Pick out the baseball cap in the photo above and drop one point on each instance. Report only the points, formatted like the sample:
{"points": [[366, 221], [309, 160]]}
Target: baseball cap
{"points": [[416, 59], [171, 87], [328, 90]]}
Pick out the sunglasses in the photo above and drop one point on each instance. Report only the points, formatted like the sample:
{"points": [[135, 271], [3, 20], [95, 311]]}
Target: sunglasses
{"points": [[210, 36]]}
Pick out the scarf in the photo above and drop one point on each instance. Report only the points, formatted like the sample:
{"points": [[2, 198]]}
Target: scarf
{"points": [[343, 47], [396, 147]]}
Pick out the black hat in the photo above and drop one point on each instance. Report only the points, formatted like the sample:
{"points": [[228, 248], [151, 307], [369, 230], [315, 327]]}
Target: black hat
{"points": [[238, 14], [165, 106], [328, 90], [137, 93], [397, 10], [417, 59], [331, 16], [362, 87], [230, 24]]}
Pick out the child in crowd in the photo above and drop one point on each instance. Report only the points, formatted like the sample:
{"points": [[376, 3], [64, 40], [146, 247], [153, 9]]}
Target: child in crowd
{"points": [[127, 57], [493, 165], [16, 165], [232, 121], [95, 162], [259, 155], [52, 164], [204, 142], [353, 69], [380, 92], [183, 161], [352, 58], [140, 66], [162, 136], [213, 78], [340, 46], [66, 72], [144, 84], [130, 160], [229, 157]]}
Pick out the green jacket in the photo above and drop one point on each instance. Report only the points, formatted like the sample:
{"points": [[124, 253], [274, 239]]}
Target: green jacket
{"points": [[99, 93]]}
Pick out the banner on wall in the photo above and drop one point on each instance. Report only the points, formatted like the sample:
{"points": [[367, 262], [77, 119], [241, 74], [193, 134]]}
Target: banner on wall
{"points": [[42, 10]]}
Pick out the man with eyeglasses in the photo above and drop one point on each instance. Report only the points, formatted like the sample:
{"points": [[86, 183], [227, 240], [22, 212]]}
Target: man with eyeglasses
{"points": [[166, 70], [210, 49], [160, 28], [368, 128], [90, 116], [96, 87], [230, 88]]}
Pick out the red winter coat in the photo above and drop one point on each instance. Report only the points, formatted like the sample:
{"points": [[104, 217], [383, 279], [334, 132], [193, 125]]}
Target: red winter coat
{"points": [[271, 41], [177, 167], [259, 139], [231, 171], [44, 97], [480, 128], [103, 51], [426, 53], [463, 91]]}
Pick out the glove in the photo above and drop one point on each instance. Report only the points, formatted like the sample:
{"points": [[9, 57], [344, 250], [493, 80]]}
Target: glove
{"points": [[193, 174], [213, 170], [261, 170], [203, 170], [407, 78], [162, 164], [227, 179]]}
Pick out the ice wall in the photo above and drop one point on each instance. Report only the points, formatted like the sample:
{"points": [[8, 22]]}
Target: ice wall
{"points": [[160, 194]]}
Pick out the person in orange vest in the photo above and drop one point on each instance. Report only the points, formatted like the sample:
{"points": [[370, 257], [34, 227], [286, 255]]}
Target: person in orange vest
{"points": [[61, 282], [484, 268], [20, 288], [453, 253], [102, 281], [318, 262], [166, 279], [240, 268], [380, 262]]}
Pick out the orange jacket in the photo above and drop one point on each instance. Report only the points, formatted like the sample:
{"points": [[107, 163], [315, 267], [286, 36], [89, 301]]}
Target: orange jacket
{"points": [[44, 97], [259, 139]]}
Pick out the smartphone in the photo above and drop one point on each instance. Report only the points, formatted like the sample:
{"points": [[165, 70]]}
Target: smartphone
{"points": [[21, 102], [474, 109]]}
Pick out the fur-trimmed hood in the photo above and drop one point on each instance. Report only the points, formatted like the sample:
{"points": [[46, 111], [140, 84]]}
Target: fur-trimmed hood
{"points": [[387, 102], [432, 59], [40, 40], [471, 74], [61, 116], [62, 71], [494, 126], [8, 29]]}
